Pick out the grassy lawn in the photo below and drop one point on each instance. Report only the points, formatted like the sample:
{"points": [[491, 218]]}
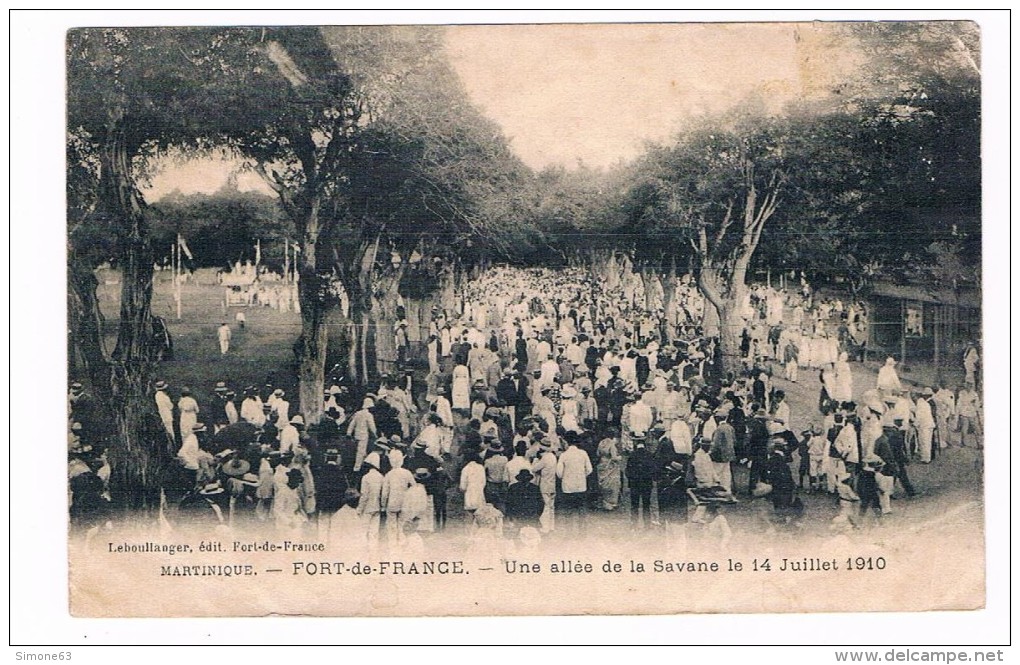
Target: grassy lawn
{"points": [[262, 348]]}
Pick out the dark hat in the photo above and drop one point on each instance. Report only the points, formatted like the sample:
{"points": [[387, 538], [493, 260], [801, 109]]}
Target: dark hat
{"points": [[236, 467], [295, 473], [524, 476]]}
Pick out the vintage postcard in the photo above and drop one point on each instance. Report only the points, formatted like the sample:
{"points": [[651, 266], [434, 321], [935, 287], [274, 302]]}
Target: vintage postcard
{"points": [[548, 319]]}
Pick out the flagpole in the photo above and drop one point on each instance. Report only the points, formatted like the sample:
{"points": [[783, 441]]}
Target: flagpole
{"points": [[173, 266], [177, 278]]}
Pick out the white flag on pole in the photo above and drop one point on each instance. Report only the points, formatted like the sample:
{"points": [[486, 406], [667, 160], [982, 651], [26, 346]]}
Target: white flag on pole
{"points": [[184, 246]]}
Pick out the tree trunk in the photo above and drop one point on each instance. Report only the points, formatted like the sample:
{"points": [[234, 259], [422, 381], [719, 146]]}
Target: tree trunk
{"points": [[448, 290], [313, 341], [141, 452], [365, 329], [731, 328], [86, 352], [384, 318], [138, 459], [352, 350], [669, 304], [648, 286]]}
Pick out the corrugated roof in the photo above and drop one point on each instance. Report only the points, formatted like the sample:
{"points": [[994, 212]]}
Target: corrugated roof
{"points": [[961, 298]]}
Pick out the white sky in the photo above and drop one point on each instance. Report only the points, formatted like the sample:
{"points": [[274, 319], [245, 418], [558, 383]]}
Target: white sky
{"points": [[597, 93]]}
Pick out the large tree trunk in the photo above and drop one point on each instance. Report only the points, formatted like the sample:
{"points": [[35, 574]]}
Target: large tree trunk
{"points": [[669, 304], [86, 352], [447, 290], [314, 339], [138, 459], [717, 292], [648, 287], [352, 350], [384, 318], [723, 280]]}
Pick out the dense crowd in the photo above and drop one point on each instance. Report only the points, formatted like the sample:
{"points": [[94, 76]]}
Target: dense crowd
{"points": [[547, 396]]}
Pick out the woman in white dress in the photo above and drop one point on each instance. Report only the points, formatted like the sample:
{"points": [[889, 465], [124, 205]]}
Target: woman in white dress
{"points": [[189, 411], [569, 409], [844, 384], [460, 392]]}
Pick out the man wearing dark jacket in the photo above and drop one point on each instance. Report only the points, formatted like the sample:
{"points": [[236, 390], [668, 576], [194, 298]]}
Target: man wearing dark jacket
{"points": [[757, 445], [512, 392], [723, 450], [640, 472], [524, 503]]}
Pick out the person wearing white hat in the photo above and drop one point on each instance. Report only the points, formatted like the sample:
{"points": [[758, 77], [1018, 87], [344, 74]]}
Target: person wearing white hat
{"points": [[968, 409], [843, 385], [640, 418], [165, 406], [190, 451], [288, 510], [281, 407], [888, 380], [362, 428], [443, 407], [924, 420], [396, 483], [544, 471], [370, 503], [229, 408], [251, 408], [570, 409], [461, 388], [290, 434], [223, 335], [944, 402]]}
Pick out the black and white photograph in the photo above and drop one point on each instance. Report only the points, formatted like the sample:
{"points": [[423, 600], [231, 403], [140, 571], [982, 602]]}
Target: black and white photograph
{"points": [[547, 319]]}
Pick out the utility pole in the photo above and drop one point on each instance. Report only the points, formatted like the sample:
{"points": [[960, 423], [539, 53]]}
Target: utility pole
{"points": [[177, 275]]}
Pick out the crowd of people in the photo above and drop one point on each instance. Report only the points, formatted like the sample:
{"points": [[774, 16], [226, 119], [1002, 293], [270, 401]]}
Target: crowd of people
{"points": [[548, 396]]}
